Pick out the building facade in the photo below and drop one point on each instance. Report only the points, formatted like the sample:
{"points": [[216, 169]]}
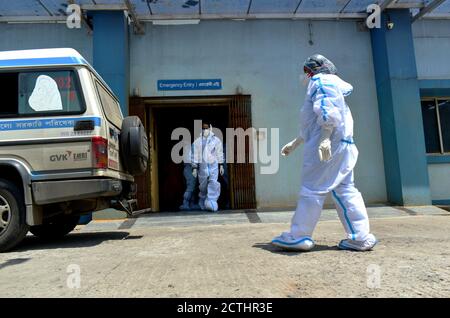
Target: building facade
{"points": [[398, 75]]}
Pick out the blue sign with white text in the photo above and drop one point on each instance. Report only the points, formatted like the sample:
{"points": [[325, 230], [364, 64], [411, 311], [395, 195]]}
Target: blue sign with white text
{"points": [[193, 84]]}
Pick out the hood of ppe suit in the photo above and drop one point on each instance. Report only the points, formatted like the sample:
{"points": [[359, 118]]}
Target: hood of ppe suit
{"points": [[320, 64]]}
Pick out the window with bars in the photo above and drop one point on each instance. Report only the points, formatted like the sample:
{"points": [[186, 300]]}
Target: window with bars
{"points": [[436, 124]]}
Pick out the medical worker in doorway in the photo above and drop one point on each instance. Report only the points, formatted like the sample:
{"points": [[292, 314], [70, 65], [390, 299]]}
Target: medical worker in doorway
{"points": [[189, 198], [326, 129], [207, 163]]}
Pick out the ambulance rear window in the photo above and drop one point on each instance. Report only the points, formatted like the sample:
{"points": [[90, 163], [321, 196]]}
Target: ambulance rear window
{"points": [[49, 92], [42, 93]]}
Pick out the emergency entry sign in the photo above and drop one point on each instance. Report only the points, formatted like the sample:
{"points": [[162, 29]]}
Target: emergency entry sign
{"points": [[189, 84]]}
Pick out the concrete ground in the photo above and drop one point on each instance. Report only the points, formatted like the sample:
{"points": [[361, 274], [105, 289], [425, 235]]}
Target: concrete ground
{"points": [[229, 255]]}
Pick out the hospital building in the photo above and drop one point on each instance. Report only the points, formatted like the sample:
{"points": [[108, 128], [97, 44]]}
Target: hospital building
{"points": [[239, 64]]}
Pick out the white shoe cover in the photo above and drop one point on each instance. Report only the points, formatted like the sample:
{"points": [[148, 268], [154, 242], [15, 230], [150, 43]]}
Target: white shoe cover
{"points": [[211, 205], [362, 246], [287, 242]]}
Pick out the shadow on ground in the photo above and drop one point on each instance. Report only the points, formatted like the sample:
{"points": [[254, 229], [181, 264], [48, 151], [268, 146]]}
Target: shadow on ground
{"points": [[14, 261], [276, 250], [189, 213], [73, 240]]}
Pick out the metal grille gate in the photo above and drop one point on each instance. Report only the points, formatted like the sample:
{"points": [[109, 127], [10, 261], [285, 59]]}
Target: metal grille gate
{"points": [[242, 175]]}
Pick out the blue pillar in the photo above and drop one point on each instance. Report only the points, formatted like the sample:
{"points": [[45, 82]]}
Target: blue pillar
{"points": [[111, 52], [400, 111]]}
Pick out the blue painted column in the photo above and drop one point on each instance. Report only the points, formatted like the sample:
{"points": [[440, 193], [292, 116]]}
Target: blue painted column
{"points": [[111, 52], [400, 111]]}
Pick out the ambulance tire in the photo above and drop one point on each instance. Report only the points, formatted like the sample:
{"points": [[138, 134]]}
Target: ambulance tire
{"points": [[13, 227]]}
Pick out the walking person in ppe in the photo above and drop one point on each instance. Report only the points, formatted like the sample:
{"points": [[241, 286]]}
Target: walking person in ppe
{"points": [[207, 163], [326, 130]]}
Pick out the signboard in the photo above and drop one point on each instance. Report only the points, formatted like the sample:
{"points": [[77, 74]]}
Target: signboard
{"points": [[189, 84]]}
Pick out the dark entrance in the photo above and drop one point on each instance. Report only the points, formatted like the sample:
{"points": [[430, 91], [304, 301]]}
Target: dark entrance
{"points": [[163, 185], [171, 179]]}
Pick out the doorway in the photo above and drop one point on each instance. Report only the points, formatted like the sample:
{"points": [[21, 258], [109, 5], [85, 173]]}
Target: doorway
{"points": [[170, 175], [163, 185]]}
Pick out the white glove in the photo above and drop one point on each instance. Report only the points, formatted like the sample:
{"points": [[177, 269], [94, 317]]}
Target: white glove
{"points": [[291, 146], [325, 144], [194, 173], [221, 170]]}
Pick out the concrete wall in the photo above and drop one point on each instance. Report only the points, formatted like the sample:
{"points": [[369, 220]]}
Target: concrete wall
{"points": [[42, 36], [432, 46], [439, 181], [265, 59]]}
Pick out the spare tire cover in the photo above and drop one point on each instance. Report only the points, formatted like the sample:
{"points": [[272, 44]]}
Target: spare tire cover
{"points": [[134, 146]]}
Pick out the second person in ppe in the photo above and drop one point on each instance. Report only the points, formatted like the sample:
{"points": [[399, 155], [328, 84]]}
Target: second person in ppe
{"points": [[191, 182], [207, 163]]}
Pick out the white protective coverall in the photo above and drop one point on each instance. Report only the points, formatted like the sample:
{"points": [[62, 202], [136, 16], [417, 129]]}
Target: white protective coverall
{"points": [[325, 106], [206, 157]]}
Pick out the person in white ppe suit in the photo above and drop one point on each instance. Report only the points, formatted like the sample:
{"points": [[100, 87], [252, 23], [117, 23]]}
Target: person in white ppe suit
{"points": [[328, 161], [207, 163]]}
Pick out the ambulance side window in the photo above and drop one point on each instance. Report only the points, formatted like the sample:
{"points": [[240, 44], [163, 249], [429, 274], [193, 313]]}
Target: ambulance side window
{"points": [[110, 105]]}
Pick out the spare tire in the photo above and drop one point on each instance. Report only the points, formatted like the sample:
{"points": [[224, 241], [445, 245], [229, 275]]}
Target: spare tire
{"points": [[134, 146]]}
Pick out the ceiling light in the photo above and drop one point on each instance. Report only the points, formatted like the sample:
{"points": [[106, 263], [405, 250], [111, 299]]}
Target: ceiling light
{"points": [[176, 22]]}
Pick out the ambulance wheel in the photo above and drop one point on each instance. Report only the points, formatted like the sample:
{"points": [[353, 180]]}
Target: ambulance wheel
{"points": [[13, 227]]}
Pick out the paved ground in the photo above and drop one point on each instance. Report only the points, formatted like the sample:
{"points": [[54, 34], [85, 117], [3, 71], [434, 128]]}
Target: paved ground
{"points": [[228, 255]]}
